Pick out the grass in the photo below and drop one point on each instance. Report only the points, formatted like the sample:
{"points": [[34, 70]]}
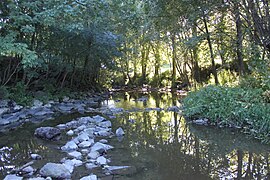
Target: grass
{"points": [[247, 108]]}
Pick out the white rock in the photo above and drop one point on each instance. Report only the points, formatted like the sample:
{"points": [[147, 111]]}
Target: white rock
{"points": [[103, 133], [61, 126], [90, 166], [119, 132], [85, 120], [58, 171], [104, 141], [37, 178], [98, 118], [69, 165], [84, 151], [71, 145], [75, 154], [105, 124], [28, 170], [77, 162], [83, 137], [82, 127], [13, 177], [93, 155], [100, 146], [36, 156], [70, 133], [86, 144], [37, 104], [101, 160], [91, 177], [90, 131]]}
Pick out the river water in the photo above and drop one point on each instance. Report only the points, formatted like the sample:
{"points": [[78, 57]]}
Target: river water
{"points": [[160, 144]]}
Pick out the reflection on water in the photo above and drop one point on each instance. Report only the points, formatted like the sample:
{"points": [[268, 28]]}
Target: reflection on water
{"points": [[161, 144], [165, 146]]}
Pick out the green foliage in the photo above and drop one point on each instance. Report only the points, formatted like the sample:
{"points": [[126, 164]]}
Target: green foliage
{"points": [[4, 93], [243, 107], [20, 95]]}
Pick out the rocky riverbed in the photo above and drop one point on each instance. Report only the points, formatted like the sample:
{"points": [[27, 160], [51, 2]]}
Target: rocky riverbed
{"points": [[88, 137], [87, 146]]}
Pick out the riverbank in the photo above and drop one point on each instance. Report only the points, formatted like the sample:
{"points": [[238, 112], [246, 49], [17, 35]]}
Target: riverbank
{"points": [[246, 109]]}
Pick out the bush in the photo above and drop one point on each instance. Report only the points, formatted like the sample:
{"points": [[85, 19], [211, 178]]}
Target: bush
{"points": [[4, 93], [236, 106], [20, 94]]}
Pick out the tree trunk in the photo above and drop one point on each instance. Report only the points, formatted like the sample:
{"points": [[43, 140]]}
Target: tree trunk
{"points": [[214, 71], [239, 42], [173, 61]]}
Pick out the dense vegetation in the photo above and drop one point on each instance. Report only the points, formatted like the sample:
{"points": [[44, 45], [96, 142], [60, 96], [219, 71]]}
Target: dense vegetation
{"points": [[89, 44]]}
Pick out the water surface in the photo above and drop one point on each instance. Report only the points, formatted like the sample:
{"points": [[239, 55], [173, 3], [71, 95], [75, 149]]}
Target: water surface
{"points": [[160, 144]]}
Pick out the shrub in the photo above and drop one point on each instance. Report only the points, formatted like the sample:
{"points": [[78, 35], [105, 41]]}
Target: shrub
{"points": [[244, 107], [4, 93]]}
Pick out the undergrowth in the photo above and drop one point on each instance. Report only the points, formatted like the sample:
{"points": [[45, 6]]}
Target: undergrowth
{"points": [[248, 108]]}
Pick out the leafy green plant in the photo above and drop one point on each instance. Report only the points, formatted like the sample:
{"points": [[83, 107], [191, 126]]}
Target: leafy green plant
{"points": [[20, 94], [4, 93], [243, 107]]}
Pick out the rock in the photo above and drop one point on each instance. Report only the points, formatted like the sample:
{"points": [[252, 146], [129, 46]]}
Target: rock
{"points": [[3, 111], [98, 118], [65, 108], [119, 132], [104, 141], [49, 133], [101, 160], [105, 124], [77, 162], [70, 133], [37, 178], [86, 144], [75, 154], [201, 122], [62, 126], [72, 124], [116, 110], [103, 133], [85, 120], [65, 99], [17, 107], [71, 145], [90, 177], [100, 147], [89, 132], [58, 171], [121, 170], [173, 109], [90, 166], [70, 164], [37, 104], [13, 177], [28, 170], [93, 155], [35, 156], [81, 128], [84, 151], [83, 137]]}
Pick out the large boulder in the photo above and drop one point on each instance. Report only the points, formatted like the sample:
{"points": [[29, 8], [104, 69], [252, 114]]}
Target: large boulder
{"points": [[49, 133], [57, 171]]}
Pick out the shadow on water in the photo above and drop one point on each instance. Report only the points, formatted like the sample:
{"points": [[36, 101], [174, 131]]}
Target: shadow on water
{"points": [[160, 144]]}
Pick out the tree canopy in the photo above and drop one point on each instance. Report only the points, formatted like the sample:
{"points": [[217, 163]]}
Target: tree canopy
{"points": [[83, 43]]}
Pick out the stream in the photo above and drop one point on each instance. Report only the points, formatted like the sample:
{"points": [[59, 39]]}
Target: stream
{"points": [[161, 144]]}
